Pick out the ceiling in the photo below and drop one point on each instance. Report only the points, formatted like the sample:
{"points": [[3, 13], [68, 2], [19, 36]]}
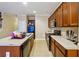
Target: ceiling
{"points": [[18, 8]]}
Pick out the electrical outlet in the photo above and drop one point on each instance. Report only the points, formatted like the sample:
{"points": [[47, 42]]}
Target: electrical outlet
{"points": [[7, 54]]}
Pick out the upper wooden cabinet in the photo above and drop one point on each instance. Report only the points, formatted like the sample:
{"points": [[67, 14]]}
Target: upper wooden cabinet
{"points": [[49, 22], [59, 16], [56, 17], [66, 14], [73, 14]]}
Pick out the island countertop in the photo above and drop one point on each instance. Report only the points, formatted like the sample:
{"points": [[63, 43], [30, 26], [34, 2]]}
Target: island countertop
{"points": [[65, 43], [7, 41]]}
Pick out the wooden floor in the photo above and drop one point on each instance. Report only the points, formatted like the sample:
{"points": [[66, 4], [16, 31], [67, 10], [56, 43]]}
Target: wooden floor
{"points": [[40, 49]]}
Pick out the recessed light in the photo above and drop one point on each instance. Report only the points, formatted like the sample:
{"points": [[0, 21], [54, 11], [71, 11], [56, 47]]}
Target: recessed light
{"points": [[24, 3], [34, 11]]}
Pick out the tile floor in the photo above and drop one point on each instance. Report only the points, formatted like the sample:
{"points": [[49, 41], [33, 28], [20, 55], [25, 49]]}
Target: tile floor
{"points": [[40, 49]]}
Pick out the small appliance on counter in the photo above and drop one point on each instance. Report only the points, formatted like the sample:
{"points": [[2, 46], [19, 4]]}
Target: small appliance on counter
{"points": [[57, 32]]}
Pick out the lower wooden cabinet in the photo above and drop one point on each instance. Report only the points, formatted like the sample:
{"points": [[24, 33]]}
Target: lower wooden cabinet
{"points": [[14, 51], [18, 51], [59, 51], [72, 53], [78, 53], [52, 48]]}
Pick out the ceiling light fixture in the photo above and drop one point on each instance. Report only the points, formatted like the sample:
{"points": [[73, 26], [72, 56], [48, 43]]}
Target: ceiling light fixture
{"points": [[34, 11], [24, 3]]}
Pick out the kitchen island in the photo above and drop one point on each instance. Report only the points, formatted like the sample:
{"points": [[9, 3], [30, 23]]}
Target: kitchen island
{"points": [[61, 47], [16, 47]]}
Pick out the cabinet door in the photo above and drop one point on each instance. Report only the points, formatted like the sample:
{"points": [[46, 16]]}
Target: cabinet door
{"points": [[60, 16], [78, 53], [58, 53], [49, 22], [73, 14], [72, 53], [57, 19], [52, 47], [53, 16], [66, 14]]}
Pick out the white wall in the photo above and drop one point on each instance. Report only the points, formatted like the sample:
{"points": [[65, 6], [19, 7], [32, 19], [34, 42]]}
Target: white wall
{"points": [[9, 24], [22, 26], [41, 24]]}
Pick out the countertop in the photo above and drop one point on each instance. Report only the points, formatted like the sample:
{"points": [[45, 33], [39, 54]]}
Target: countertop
{"points": [[49, 32], [14, 42], [65, 43]]}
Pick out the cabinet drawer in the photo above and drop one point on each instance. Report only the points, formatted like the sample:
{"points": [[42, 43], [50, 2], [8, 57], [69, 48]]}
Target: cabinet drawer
{"points": [[58, 53], [61, 48]]}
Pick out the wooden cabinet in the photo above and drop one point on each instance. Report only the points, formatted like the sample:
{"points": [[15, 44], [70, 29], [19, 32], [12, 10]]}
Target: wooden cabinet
{"points": [[56, 17], [52, 47], [60, 16], [78, 53], [73, 14], [14, 51], [59, 51], [49, 22], [70, 14], [72, 53], [60, 47], [65, 14], [18, 51]]}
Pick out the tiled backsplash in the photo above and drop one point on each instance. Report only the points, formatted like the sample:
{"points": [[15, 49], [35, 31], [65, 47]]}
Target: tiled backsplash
{"points": [[64, 29]]}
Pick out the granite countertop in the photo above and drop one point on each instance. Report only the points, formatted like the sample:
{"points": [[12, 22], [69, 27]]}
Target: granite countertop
{"points": [[14, 42], [65, 43]]}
